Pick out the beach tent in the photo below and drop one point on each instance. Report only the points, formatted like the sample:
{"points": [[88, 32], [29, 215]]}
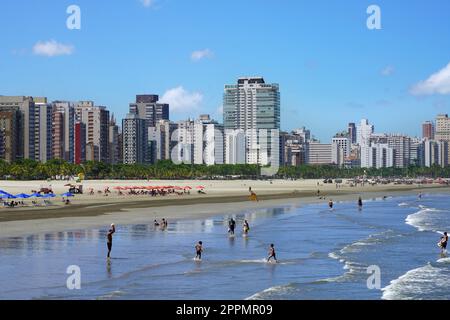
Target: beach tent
{"points": [[67, 194], [22, 196]]}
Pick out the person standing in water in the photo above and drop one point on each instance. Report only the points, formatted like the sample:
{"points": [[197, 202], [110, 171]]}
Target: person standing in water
{"points": [[272, 253], [246, 227], [330, 204], [360, 203], [198, 250], [443, 242], [231, 225], [109, 237]]}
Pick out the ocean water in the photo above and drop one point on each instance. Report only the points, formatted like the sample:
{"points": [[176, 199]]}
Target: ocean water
{"points": [[323, 254]]}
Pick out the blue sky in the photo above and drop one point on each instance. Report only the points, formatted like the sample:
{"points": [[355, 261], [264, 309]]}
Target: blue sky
{"points": [[331, 68]]}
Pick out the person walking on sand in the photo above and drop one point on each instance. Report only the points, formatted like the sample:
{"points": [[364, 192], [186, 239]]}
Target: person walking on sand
{"points": [[109, 237], [330, 204], [272, 253], [198, 250]]}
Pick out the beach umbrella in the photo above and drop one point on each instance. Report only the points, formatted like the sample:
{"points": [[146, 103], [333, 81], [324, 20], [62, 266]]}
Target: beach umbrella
{"points": [[187, 187], [4, 193], [22, 196], [67, 194], [10, 196], [36, 195], [200, 187], [49, 195]]}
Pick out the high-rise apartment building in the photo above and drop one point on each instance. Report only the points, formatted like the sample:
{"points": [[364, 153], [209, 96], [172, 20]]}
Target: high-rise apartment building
{"points": [[148, 108], [42, 130], [198, 141], [80, 142], [319, 153], [381, 156], [234, 146], [428, 130], [254, 106], [63, 119], [160, 139], [442, 128], [96, 120], [9, 134], [135, 140], [402, 150], [340, 149], [363, 132], [351, 130], [113, 141]]}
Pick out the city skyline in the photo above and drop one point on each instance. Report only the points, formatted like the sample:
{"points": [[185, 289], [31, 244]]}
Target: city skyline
{"points": [[331, 69]]}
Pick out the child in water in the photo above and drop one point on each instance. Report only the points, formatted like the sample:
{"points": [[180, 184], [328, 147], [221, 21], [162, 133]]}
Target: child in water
{"points": [[199, 250]]}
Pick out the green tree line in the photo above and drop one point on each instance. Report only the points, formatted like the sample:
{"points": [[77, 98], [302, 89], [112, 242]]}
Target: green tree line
{"points": [[33, 170]]}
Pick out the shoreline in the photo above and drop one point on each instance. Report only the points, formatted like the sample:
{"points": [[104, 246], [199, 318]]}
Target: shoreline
{"points": [[21, 222]]}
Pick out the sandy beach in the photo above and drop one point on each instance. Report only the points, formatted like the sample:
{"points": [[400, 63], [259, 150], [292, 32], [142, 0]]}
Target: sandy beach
{"points": [[221, 197]]}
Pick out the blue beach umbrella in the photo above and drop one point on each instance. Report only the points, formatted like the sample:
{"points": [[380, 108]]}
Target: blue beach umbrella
{"points": [[5, 194], [67, 194], [22, 196], [36, 195], [49, 195]]}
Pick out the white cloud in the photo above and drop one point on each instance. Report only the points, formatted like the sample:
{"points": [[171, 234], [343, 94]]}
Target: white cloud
{"points": [[52, 48], [181, 99], [437, 83], [201, 54], [387, 71], [147, 3]]}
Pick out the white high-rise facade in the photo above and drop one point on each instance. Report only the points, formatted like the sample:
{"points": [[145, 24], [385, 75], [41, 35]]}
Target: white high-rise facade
{"points": [[199, 142], [234, 146], [340, 149], [254, 106], [363, 132], [380, 156]]}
